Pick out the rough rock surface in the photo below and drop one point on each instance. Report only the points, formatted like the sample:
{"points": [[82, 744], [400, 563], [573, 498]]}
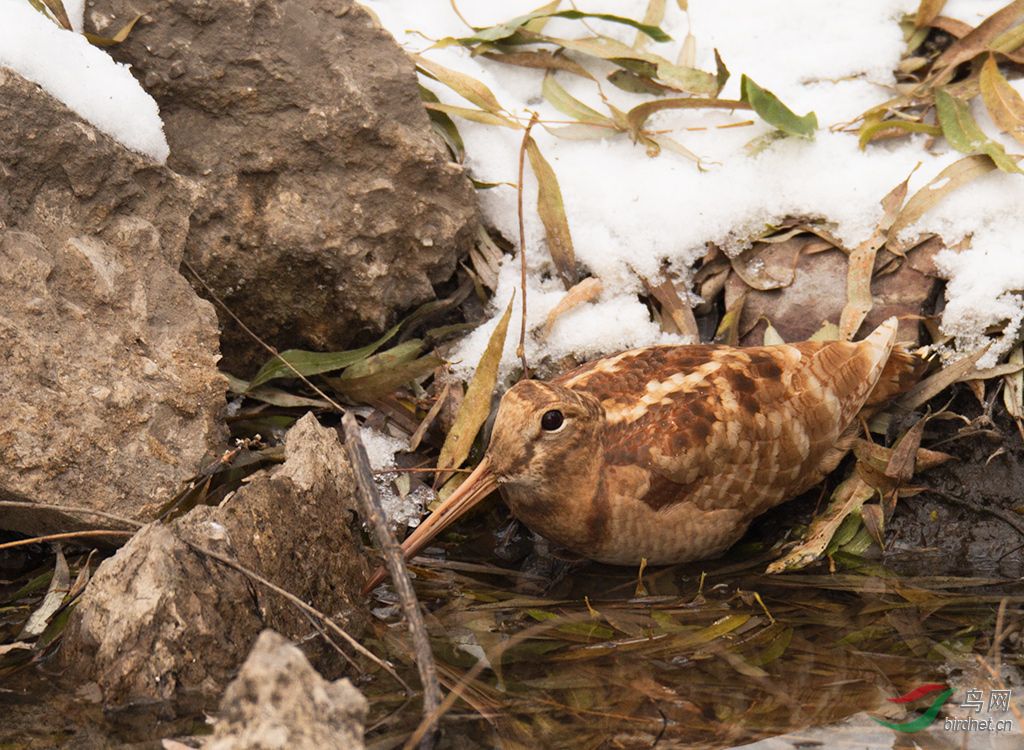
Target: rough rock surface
{"points": [[161, 623], [109, 387], [329, 203], [279, 702]]}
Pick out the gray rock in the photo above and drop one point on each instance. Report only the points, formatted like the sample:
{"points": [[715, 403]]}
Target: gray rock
{"points": [[330, 205], [162, 624], [279, 702], [109, 387]]}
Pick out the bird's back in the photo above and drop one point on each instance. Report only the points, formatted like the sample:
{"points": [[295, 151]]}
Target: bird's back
{"points": [[703, 438]]}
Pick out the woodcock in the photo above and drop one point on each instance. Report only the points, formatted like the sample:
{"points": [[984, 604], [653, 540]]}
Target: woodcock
{"points": [[668, 452]]}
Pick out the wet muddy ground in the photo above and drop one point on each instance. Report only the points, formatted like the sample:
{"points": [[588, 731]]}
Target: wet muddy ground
{"points": [[713, 655]]}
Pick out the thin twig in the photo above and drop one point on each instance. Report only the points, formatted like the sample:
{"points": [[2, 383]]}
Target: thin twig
{"points": [[66, 535], [340, 409], [71, 509], [369, 499], [521, 351], [1006, 516]]}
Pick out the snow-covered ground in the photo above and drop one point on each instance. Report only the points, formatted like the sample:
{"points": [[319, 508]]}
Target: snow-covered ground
{"points": [[82, 76], [629, 213]]}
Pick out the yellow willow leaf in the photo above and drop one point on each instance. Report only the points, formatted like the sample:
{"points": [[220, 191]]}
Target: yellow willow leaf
{"points": [[949, 179], [927, 11], [468, 113], [568, 104], [586, 291], [551, 208], [653, 16], [465, 86], [1002, 100], [861, 265], [476, 405]]}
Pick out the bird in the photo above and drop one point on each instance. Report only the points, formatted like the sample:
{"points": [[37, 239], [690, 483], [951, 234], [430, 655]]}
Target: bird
{"points": [[666, 453]]}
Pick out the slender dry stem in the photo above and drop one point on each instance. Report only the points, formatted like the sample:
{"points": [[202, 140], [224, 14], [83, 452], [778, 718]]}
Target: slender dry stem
{"points": [[521, 350], [66, 535], [373, 512]]}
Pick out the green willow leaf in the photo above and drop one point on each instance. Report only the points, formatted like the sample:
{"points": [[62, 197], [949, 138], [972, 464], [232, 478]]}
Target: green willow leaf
{"points": [[314, 363], [770, 109], [964, 134]]}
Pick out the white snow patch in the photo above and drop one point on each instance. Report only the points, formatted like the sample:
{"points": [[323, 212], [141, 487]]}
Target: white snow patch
{"points": [[83, 77], [400, 510], [631, 215]]}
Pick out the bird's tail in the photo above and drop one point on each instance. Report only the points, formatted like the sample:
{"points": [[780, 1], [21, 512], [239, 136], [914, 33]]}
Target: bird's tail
{"points": [[902, 372]]}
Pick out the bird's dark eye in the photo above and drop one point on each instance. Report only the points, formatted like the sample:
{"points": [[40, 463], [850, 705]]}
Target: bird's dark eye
{"points": [[552, 420]]}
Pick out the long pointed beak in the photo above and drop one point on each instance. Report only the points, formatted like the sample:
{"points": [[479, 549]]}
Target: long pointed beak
{"points": [[477, 486]]}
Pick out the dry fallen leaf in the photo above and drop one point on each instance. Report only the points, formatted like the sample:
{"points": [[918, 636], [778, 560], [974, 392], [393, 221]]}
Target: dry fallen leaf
{"points": [[551, 208], [586, 291], [476, 406]]}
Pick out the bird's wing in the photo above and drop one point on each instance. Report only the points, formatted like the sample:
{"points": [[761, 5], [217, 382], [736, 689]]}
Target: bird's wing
{"points": [[730, 427]]}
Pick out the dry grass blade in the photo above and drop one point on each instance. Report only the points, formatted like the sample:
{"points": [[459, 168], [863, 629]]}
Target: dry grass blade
{"points": [[1002, 101], [1013, 392], [476, 406], [957, 174], [373, 513], [586, 291], [551, 208], [932, 386]]}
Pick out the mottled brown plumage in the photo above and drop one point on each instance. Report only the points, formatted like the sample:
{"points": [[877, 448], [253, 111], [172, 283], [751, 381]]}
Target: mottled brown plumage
{"points": [[668, 452]]}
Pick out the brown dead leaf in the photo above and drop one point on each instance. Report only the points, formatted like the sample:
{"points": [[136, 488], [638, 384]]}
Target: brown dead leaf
{"points": [[585, 291], [977, 40], [903, 458], [768, 266], [677, 316]]}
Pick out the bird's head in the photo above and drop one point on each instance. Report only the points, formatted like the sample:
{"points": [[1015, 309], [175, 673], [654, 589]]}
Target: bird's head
{"points": [[542, 434]]}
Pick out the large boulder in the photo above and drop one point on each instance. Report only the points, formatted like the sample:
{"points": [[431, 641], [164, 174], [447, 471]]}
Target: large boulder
{"points": [[164, 625], [109, 387], [330, 204], [279, 702]]}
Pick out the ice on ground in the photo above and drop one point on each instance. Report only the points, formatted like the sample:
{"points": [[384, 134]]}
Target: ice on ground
{"points": [[85, 78], [631, 215], [401, 508]]}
